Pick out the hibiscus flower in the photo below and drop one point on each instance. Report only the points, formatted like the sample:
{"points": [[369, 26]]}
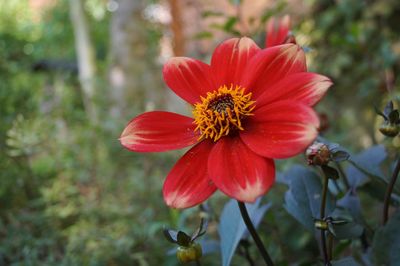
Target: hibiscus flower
{"points": [[278, 32], [250, 106]]}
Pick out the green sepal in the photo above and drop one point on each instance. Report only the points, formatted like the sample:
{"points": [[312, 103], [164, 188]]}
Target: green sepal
{"points": [[183, 239], [330, 172]]}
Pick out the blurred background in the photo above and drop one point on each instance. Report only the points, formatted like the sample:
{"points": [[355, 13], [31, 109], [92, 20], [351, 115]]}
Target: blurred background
{"points": [[73, 73]]}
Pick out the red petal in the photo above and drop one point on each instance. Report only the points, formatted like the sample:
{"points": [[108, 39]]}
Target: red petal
{"points": [[158, 131], [281, 129], [271, 65], [230, 58], [188, 183], [239, 172], [277, 31], [188, 78], [304, 87]]}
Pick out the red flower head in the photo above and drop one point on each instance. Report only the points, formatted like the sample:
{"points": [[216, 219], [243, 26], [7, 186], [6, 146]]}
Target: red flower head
{"points": [[278, 32], [249, 107]]}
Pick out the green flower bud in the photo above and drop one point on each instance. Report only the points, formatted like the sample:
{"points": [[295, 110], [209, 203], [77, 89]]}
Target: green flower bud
{"points": [[389, 129], [321, 225], [191, 253]]}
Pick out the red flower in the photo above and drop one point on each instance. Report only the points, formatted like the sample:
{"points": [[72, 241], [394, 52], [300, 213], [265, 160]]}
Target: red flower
{"points": [[278, 32], [249, 106]]}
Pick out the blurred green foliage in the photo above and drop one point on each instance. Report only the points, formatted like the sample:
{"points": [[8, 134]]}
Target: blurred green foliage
{"points": [[70, 195]]}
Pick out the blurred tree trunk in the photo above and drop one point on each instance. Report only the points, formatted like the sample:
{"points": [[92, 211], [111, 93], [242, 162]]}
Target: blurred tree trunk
{"points": [[177, 27], [134, 74], [85, 56]]}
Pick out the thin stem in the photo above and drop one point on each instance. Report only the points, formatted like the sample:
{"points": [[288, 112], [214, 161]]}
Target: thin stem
{"points": [[254, 234], [246, 253], [330, 246], [322, 217], [343, 175], [389, 191]]}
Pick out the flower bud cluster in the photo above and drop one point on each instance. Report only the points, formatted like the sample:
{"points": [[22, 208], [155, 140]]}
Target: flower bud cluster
{"points": [[391, 124]]}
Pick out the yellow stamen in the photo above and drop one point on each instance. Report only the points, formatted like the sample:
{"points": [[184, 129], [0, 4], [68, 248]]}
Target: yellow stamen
{"points": [[221, 112]]}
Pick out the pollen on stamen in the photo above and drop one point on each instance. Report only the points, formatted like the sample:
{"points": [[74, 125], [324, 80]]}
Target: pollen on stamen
{"points": [[222, 111]]}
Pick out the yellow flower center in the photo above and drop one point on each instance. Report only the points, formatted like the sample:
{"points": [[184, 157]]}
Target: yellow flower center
{"points": [[221, 112]]}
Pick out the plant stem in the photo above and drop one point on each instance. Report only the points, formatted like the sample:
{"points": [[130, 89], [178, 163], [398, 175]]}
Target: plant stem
{"points": [[198, 263], [246, 253], [343, 175], [322, 217], [330, 246], [254, 234], [389, 191]]}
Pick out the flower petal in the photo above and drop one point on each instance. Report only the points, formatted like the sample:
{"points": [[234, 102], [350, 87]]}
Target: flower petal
{"points": [[305, 87], [277, 31], [281, 129], [158, 131], [271, 65], [230, 59], [188, 78], [239, 172], [188, 183]]}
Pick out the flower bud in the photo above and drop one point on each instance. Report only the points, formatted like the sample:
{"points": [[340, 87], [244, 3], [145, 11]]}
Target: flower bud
{"points": [[391, 125], [321, 225], [389, 129], [191, 253], [318, 154]]}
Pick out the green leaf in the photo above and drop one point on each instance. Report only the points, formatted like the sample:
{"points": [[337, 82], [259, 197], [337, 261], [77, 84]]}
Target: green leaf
{"points": [[351, 203], [203, 35], [303, 199], [366, 163], [346, 230], [210, 13], [230, 23], [366, 171], [386, 242], [232, 228]]}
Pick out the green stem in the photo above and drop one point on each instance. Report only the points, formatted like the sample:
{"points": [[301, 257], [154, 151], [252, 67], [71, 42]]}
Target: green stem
{"points": [[330, 246], [322, 217], [246, 253], [343, 175], [389, 191], [254, 234]]}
